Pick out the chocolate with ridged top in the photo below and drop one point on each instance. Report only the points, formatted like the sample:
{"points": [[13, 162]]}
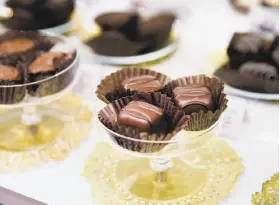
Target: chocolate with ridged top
{"points": [[143, 83], [193, 98], [141, 115]]}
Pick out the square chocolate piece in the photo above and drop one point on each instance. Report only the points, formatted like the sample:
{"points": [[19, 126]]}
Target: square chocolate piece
{"points": [[245, 47], [141, 115], [193, 98], [143, 83]]}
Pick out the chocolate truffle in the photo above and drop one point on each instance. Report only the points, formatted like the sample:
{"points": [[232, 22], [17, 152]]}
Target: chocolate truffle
{"points": [[245, 47], [8, 73], [19, 45], [143, 83], [193, 98], [141, 115]]}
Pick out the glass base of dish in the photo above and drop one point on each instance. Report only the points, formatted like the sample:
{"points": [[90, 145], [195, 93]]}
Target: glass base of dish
{"points": [[202, 177], [179, 181]]}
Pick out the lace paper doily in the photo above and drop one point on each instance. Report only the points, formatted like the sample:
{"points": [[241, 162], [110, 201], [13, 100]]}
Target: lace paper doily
{"points": [[70, 137], [269, 194], [222, 162]]}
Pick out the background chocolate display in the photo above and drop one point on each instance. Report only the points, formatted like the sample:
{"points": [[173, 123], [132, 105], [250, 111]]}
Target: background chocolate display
{"points": [[128, 34], [253, 63], [38, 14]]}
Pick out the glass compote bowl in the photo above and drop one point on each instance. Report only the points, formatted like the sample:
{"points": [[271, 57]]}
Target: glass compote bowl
{"points": [[33, 121], [160, 171]]}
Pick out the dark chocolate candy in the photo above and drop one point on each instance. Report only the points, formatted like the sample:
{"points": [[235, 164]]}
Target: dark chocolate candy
{"points": [[115, 44], [193, 98], [247, 81], [262, 70], [29, 4], [19, 45], [274, 52], [123, 22], [245, 47], [143, 83], [157, 29], [38, 14], [8, 73], [141, 115]]}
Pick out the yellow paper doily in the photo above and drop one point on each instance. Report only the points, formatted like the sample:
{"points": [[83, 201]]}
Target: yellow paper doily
{"points": [[221, 162], [269, 194], [70, 136]]}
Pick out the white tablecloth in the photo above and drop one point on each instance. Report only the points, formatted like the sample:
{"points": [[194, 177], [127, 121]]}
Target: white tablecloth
{"points": [[250, 127]]}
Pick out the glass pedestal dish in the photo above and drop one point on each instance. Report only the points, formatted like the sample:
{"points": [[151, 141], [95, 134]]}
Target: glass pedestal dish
{"points": [[46, 124], [192, 168]]}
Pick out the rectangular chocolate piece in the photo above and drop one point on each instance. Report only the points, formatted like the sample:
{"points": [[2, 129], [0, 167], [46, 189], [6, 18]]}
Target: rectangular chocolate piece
{"points": [[193, 98], [8, 197], [141, 115], [143, 83]]}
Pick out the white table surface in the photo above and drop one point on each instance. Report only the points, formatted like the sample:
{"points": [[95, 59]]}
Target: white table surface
{"points": [[250, 127]]}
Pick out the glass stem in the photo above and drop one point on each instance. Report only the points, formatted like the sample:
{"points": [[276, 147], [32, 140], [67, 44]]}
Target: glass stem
{"points": [[161, 166], [30, 116]]}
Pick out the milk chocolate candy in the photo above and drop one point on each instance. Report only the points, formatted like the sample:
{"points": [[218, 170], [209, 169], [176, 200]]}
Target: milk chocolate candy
{"points": [[142, 83], [10, 76], [47, 65], [142, 115], [245, 47], [20, 45], [193, 98]]}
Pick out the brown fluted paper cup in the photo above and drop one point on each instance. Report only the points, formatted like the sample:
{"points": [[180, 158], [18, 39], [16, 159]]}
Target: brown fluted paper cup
{"points": [[202, 120]]}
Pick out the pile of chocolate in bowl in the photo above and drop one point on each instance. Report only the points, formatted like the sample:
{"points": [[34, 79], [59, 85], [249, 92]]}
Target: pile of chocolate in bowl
{"points": [[146, 105], [38, 14], [129, 34], [253, 63], [28, 63]]}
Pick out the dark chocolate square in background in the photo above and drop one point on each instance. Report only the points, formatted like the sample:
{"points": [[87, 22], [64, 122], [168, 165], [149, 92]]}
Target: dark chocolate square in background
{"points": [[8, 197]]}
